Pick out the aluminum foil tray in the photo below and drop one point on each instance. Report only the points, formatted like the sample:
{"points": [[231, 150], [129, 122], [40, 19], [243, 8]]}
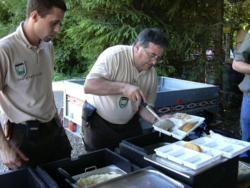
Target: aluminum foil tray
{"points": [[179, 120], [146, 178], [110, 170]]}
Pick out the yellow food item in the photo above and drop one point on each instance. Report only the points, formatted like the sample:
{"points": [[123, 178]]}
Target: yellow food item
{"points": [[95, 179], [186, 127], [192, 146]]}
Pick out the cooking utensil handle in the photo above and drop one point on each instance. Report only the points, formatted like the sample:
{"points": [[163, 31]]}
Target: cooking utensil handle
{"points": [[152, 112], [90, 168], [66, 175]]}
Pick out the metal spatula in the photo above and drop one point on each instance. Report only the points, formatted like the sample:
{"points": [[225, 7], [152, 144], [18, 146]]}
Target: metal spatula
{"points": [[163, 123]]}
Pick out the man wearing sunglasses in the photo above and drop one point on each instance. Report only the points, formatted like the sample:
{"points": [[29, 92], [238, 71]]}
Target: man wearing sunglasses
{"points": [[122, 78]]}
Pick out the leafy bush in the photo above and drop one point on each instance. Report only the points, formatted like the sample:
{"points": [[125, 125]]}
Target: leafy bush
{"points": [[90, 26]]}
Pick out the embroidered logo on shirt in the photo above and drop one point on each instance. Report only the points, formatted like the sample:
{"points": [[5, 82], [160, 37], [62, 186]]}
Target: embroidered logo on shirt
{"points": [[123, 102], [20, 69]]}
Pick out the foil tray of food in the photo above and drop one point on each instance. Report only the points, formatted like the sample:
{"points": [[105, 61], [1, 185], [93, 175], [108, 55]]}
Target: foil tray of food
{"points": [[97, 175], [188, 154], [146, 178], [183, 125]]}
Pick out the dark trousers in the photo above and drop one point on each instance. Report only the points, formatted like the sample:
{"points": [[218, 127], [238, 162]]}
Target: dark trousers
{"points": [[41, 142], [99, 133]]}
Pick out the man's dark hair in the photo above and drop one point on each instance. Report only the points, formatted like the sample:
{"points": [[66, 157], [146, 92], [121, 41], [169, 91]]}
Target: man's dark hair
{"points": [[43, 7], [154, 35]]}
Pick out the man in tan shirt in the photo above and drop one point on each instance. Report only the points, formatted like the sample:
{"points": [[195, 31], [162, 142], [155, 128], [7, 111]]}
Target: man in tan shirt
{"points": [[34, 134], [121, 79]]}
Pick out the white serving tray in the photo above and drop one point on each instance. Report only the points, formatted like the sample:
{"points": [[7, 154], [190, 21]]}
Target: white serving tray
{"points": [[205, 150], [179, 119], [176, 152], [228, 147]]}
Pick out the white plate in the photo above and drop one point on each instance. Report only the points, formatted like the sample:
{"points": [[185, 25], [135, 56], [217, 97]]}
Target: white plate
{"points": [[180, 119]]}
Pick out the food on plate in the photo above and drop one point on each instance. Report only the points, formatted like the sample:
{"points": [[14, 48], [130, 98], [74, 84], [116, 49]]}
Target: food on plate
{"points": [[187, 126], [95, 179], [192, 146], [165, 124]]}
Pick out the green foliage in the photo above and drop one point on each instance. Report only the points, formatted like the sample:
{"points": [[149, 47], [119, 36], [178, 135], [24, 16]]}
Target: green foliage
{"points": [[11, 14], [90, 26], [237, 14], [4, 12]]}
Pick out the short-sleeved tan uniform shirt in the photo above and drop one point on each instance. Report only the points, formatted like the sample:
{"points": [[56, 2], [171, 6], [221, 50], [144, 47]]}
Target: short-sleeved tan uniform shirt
{"points": [[116, 64], [26, 79]]}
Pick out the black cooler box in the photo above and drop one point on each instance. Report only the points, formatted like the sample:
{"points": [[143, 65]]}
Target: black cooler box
{"points": [[97, 159], [223, 174], [25, 177]]}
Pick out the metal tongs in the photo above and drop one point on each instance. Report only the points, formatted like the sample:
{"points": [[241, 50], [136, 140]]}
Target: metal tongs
{"points": [[163, 123]]}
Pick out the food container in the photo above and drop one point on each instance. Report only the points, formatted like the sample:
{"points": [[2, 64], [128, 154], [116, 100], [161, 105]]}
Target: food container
{"points": [[98, 159], [21, 178], [177, 152], [227, 147], [96, 176], [146, 178], [140, 151], [184, 125], [135, 148]]}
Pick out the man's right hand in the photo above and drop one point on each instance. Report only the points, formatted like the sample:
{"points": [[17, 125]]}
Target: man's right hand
{"points": [[11, 156], [134, 93]]}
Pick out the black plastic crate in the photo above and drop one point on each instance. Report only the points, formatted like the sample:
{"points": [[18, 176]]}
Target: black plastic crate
{"points": [[25, 177], [136, 148], [221, 175], [99, 159], [45, 177]]}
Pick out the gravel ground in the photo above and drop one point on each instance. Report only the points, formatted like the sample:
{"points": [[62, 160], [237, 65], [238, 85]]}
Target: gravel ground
{"points": [[77, 145]]}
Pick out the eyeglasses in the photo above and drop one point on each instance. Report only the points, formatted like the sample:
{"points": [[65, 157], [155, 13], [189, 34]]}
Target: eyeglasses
{"points": [[152, 56]]}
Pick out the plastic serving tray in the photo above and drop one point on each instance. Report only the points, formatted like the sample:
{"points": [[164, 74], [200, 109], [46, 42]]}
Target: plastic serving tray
{"points": [[227, 147], [176, 152], [180, 119]]}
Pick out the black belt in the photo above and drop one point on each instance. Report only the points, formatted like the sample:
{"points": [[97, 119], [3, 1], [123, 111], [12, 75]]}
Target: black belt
{"points": [[36, 124]]}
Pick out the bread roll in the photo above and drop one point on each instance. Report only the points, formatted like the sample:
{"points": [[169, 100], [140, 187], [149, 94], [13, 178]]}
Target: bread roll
{"points": [[187, 126], [192, 146]]}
